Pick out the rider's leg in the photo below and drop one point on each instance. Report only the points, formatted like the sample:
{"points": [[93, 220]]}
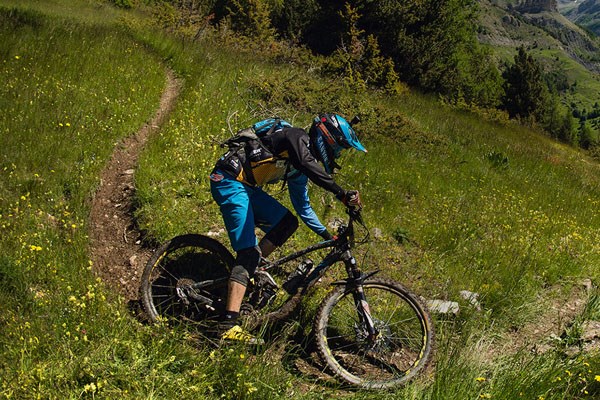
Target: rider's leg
{"points": [[279, 234], [274, 219], [235, 296], [245, 265], [241, 207], [233, 198]]}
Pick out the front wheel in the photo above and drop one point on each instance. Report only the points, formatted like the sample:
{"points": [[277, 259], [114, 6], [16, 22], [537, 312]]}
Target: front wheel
{"points": [[186, 279], [399, 350]]}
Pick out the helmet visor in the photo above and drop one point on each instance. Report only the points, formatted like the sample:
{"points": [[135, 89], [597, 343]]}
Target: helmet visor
{"points": [[349, 137]]}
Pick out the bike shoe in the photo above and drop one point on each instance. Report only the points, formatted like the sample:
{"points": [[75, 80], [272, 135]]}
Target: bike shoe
{"points": [[238, 334]]}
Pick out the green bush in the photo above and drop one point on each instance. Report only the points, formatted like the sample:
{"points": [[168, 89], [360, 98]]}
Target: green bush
{"points": [[123, 3]]}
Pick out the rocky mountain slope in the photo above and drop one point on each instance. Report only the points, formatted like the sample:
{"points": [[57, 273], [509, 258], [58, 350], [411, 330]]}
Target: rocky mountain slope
{"points": [[537, 24], [585, 13]]}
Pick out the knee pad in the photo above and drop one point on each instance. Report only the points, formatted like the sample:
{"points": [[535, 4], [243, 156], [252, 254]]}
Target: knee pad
{"points": [[240, 275], [245, 265], [283, 230]]}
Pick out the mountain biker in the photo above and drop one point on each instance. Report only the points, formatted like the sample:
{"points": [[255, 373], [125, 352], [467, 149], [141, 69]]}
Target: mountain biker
{"points": [[236, 187]]}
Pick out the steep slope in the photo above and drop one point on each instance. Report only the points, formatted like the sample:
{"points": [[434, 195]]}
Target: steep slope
{"points": [[537, 24], [585, 13], [568, 54]]}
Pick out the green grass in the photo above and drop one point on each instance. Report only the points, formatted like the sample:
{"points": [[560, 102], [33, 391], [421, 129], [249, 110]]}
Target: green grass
{"points": [[496, 209]]}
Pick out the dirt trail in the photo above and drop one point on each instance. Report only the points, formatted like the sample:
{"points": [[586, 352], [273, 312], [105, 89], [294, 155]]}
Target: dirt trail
{"points": [[115, 242]]}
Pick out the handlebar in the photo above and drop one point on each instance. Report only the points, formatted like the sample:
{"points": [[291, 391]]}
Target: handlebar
{"points": [[348, 230]]}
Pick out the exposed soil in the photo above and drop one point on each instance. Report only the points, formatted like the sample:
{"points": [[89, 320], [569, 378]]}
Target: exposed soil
{"points": [[116, 246], [539, 335]]}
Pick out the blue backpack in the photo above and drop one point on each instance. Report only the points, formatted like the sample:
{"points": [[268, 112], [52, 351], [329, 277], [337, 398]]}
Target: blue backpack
{"points": [[256, 132], [247, 150], [267, 126]]}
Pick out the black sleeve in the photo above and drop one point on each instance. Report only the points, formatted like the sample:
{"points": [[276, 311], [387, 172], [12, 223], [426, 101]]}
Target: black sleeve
{"points": [[297, 143]]}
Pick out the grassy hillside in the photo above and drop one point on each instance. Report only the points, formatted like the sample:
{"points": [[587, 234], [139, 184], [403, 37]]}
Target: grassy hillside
{"points": [[585, 13], [492, 208]]}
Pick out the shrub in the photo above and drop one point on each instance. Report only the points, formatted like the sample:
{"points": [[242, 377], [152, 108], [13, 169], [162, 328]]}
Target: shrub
{"points": [[123, 3]]}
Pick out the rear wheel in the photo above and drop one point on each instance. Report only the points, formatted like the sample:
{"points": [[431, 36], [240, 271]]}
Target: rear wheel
{"points": [[169, 287], [397, 353]]}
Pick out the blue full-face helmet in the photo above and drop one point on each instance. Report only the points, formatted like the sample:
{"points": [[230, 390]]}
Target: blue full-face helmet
{"points": [[329, 135]]}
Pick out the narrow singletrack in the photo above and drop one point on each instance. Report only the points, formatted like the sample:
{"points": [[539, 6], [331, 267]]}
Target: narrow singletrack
{"points": [[116, 245]]}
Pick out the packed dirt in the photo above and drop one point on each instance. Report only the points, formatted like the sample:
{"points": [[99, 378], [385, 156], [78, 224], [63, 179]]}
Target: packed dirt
{"points": [[116, 246]]}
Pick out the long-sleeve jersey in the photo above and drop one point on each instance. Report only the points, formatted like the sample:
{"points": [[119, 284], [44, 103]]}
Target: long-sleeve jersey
{"points": [[298, 191], [294, 143], [268, 161], [290, 150]]}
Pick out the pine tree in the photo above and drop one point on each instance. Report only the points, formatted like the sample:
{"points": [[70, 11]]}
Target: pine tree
{"points": [[252, 18], [526, 93], [588, 136], [434, 46], [360, 59]]}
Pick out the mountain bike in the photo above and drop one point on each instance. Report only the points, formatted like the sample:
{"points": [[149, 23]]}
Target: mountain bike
{"points": [[371, 332]]}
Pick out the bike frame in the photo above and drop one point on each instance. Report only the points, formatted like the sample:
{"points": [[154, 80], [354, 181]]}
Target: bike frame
{"points": [[340, 251]]}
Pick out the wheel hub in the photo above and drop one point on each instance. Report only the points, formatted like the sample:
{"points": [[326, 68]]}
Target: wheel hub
{"points": [[182, 288], [377, 342]]}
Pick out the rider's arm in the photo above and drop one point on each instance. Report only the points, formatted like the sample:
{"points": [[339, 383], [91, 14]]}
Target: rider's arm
{"points": [[298, 189], [302, 159]]}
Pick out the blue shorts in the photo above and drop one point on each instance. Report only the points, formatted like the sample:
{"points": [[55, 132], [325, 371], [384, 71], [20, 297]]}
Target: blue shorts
{"points": [[243, 208]]}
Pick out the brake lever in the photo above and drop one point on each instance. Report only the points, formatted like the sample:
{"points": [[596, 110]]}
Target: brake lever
{"points": [[355, 215]]}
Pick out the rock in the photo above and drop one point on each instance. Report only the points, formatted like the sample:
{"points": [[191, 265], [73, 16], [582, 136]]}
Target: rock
{"points": [[472, 298], [590, 330], [132, 260], [129, 172], [443, 307], [377, 234], [215, 233], [587, 284], [538, 6], [592, 347], [335, 224]]}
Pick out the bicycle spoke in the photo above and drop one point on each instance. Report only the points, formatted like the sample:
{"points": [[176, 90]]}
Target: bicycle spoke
{"points": [[391, 356], [166, 300], [168, 273], [163, 295], [339, 336]]}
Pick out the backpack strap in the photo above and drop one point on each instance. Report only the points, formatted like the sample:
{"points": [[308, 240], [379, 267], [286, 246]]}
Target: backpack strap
{"points": [[272, 129], [285, 176]]}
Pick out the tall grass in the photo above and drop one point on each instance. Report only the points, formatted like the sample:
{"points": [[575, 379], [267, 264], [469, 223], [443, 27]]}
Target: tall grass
{"points": [[461, 204], [70, 91], [495, 209]]}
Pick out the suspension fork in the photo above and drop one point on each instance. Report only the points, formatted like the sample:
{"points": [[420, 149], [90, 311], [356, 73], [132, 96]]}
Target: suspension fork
{"points": [[355, 282]]}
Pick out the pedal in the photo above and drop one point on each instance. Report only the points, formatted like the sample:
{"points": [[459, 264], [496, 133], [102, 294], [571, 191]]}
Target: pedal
{"points": [[263, 277]]}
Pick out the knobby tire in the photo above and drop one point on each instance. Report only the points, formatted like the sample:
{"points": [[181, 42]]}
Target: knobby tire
{"points": [[402, 349], [182, 260]]}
